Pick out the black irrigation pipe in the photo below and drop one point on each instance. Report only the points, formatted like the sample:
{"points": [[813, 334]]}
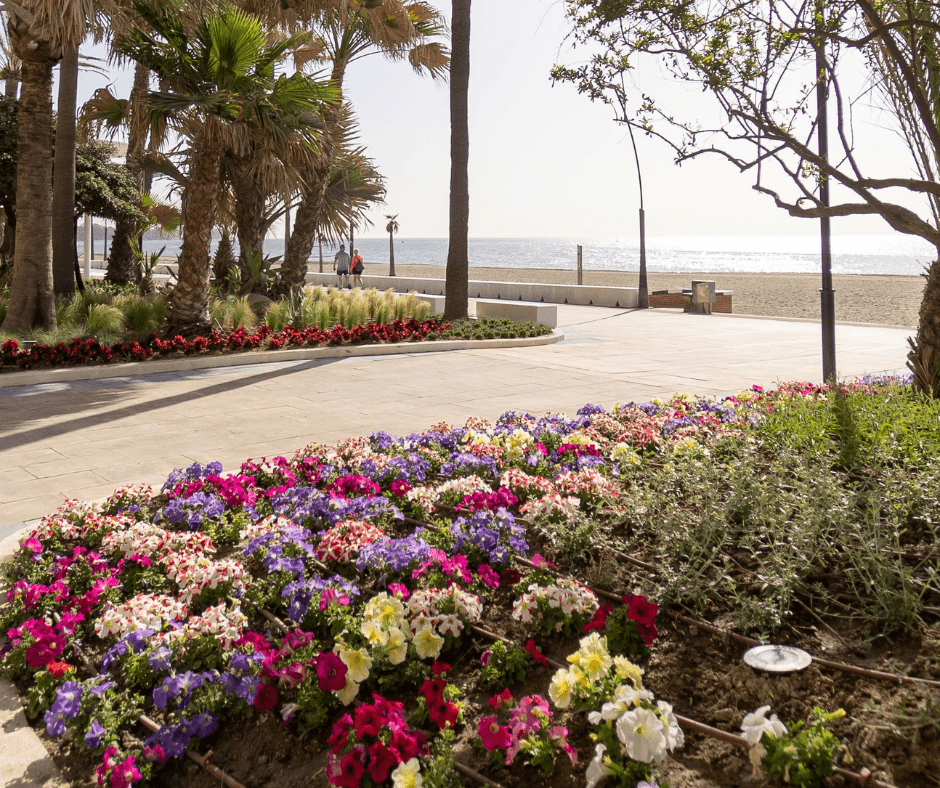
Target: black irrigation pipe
{"points": [[862, 778], [202, 760], [148, 723], [841, 666]]}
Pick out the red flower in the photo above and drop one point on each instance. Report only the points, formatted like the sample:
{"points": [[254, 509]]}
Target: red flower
{"points": [[492, 734], [383, 759], [408, 745], [369, 721], [600, 617], [433, 690], [642, 612], [439, 668], [648, 633], [350, 771], [511, 577], [331, 672], [58, 669], [444, 713], [535, 653], [266, 699], [340, 733], [504, 698]]}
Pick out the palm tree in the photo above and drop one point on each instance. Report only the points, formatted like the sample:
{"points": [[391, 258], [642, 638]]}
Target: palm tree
{"points": [[456, 286], [63, 182], [391, 228], [39, 31], [222, 75], [398, 30]]}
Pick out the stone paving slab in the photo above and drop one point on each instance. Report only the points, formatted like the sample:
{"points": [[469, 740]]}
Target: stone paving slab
{"points": [[85, 438]]}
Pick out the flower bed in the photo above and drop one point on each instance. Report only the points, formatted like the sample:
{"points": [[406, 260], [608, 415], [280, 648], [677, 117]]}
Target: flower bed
{"points": [[356, 614], [90, 351]]}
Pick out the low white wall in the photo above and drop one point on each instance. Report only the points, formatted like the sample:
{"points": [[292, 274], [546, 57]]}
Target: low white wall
{"points": [[583, 295]]}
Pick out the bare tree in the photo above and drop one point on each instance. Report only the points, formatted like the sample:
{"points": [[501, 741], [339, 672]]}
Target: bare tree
{"points": [[756, 60]]}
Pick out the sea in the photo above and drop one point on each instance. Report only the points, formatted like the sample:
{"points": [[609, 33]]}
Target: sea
{"points": [[895, 254]]}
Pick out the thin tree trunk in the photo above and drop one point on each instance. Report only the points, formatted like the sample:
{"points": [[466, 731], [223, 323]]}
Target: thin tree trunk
{"points": [[31, 297], [11, 87], [63, 183], [308, 219], [188, 304], [457, 284], [8, 247], [224, 257], [924, 357], [123, 265], [391, 253], [78, 269]]}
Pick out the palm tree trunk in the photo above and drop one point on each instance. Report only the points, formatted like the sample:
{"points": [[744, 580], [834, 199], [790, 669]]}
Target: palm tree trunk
{"points": [[123, 266], [188, 304], [457, 284], [224, 257], [31, 297], [63, 183], [249, 215], [924, 357], [391, 253], [308, 218]]}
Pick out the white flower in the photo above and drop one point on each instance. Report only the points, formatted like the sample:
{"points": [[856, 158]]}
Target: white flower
{"points": [[371, 632], [756, 724], [408, 775], [675, 738], [641, 733], [348, 693], [596, 769]]}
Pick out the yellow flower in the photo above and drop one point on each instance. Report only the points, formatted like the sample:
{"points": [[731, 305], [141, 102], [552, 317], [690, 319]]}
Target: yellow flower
{"points": [[560, 688], [596, 664], [372, 633], [626, 670], [397, 646], [428, 644], [408, 775], [358, 663]]}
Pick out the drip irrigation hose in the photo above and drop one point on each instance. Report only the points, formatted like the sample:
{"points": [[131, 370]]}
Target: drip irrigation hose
{"points": [[841, 666], [861, 778], [202, 760]]}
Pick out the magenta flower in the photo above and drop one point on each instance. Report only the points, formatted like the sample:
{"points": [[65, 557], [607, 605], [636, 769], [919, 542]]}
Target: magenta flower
{"points": [[492, 734], [331, 672], [125, 773]]}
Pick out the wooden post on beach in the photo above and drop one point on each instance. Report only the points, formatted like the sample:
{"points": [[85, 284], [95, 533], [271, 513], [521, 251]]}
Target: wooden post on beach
{"points": [[580, 272]]}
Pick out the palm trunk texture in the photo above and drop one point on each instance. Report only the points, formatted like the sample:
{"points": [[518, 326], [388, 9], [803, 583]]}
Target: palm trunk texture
{"points": [[123, 266], [456, 286], [924, 358], [63, 183], [249, 210], [31, 297], [188, 304]]}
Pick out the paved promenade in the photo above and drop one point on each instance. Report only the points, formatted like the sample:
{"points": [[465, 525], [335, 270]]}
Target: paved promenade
{"points": [[85, 438]]}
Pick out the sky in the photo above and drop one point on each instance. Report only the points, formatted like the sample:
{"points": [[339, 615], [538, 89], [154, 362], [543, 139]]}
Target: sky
{"points": [[544, 161]]}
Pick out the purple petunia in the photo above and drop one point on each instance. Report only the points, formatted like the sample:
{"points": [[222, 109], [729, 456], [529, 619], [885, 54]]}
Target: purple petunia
{"points": [[93, 737]]}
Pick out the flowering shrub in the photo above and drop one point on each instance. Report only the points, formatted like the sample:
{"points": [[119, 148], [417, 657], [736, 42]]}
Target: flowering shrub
{"points": [[374, 740], [564, 605], [90, 351], [523, 726]]}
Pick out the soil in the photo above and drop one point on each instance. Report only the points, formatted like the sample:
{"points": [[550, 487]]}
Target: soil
{"points": [[700, 673]]}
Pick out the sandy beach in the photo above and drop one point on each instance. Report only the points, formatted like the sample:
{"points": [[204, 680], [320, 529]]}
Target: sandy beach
{"points": [[887, 300]]}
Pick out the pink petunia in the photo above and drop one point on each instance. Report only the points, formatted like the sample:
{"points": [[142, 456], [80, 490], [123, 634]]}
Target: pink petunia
{"points": [[331, 672], [492, 734]]}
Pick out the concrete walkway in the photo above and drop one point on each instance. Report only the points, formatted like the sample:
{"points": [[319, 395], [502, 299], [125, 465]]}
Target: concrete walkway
{"points": [[83, 439]]}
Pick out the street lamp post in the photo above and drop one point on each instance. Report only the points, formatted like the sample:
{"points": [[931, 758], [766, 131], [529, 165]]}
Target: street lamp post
{"points": [[826, 294]]}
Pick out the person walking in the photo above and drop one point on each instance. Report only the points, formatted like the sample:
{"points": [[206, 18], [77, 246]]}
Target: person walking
{"points": [[341, 266], [357, 268]]}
